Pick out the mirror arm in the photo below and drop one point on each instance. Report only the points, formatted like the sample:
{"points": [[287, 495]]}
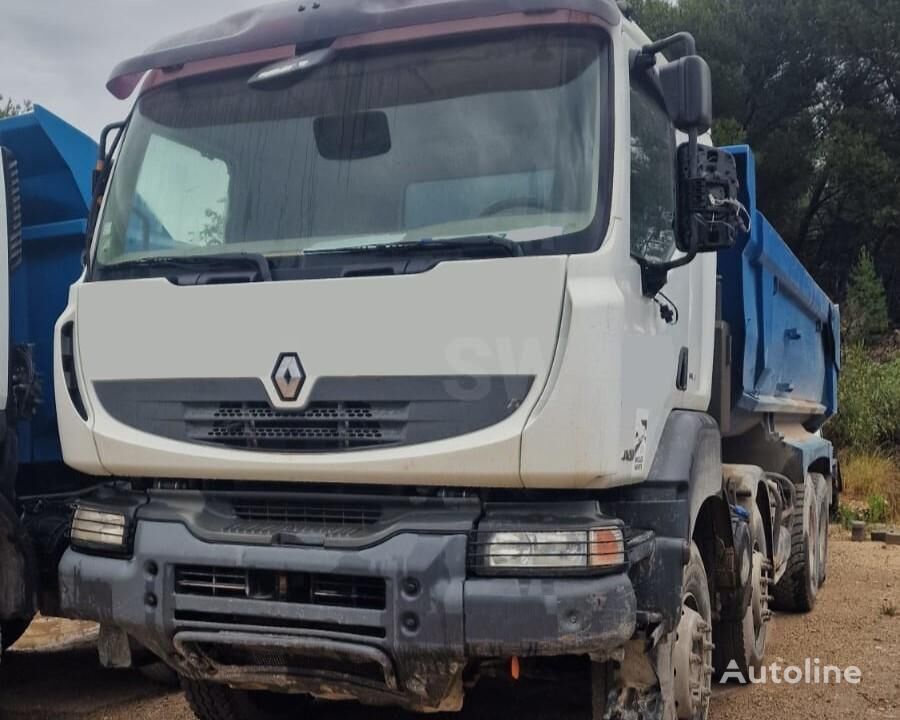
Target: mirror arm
{"points": [[655, 276], [105, 152], [647, 56]]}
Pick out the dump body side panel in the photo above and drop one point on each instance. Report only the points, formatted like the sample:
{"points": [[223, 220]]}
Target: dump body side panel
{"points": [[785, 330], [54, 163]]}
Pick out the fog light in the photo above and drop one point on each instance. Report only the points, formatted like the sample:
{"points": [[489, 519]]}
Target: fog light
{"points": [[100, 530], [557, 550]]}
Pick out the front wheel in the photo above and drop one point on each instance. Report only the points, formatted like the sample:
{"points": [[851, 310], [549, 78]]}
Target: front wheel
{"points": [[692, 652], [210, 701]]}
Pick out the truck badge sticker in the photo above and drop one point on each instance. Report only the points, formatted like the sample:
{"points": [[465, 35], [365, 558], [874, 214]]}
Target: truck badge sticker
{"points": [[637, 452]]}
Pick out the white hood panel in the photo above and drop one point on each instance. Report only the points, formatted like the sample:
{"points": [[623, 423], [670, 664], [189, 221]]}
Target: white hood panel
{"points": [[496, 317]]}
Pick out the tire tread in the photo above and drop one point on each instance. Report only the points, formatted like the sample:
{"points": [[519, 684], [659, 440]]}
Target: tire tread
{"points": [[792, 592]]}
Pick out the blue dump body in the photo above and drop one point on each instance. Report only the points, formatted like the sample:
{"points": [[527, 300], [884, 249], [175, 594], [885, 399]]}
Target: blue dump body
{"points": [[785, 329], [55, 164]]}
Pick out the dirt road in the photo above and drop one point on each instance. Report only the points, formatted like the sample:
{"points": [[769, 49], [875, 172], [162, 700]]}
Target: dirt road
{"points": [[853, 625]]}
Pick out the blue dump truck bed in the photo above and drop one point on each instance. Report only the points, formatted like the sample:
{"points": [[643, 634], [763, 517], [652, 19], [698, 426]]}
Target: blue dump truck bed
{"points": [[785, 331], [55, 162]]}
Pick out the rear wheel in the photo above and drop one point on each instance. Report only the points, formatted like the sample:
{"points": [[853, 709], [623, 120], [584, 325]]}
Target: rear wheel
{"points": [[210, 701], [798, 589], [823, 529], [743, 642]]}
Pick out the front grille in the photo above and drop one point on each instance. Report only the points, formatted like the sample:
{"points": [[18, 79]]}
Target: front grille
{"points": [[289, 513], [320, 427], [343, 414], [345, 591]]}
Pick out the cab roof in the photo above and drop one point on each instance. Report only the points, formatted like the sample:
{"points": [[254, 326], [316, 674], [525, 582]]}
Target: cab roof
{"points": [[306, 22]]}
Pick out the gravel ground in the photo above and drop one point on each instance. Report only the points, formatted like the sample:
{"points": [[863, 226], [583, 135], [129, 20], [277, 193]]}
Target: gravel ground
{"points": [[53, 674]]}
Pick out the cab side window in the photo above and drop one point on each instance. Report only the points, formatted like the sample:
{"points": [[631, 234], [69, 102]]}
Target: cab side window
{"points": [[653, 189]]}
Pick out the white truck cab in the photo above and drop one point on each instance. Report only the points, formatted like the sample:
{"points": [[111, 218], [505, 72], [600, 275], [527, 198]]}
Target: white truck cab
{"points": [[397, 342]]}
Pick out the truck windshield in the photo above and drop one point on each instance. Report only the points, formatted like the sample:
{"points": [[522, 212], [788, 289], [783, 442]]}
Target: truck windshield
{"points": [[503, 138]]}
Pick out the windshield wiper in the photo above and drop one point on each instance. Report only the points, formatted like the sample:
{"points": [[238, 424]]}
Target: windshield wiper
{"points": [[195, 262], [429, 245]]}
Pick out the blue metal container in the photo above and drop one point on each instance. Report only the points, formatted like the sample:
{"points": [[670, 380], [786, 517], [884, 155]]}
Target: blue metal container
{"points": [[55, 164], [785, 330]]}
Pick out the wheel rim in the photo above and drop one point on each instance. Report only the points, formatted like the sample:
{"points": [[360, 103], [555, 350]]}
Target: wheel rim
{"points": [[759, 601], [812, 552], [823, 550], [762, 586], [692, 662]]}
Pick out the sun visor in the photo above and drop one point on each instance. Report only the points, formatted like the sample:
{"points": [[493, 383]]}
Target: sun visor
{"points": [[310, 22]]}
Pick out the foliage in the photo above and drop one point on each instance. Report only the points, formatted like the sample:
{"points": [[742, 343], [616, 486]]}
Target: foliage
{"points": [[871, 487], [10, 108], [814, 87], [865, 312], [879, 511], [869, 403], [848, 516]]}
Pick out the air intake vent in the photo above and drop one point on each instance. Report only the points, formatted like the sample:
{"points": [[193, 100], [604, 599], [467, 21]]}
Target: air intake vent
{"points": [[306, 513], [67, 350], [345, 591], [320, 427]]}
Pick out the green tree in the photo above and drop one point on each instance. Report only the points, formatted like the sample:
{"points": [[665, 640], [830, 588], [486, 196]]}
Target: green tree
{"points": [[865, 312], [814, 87], [10, 108]]}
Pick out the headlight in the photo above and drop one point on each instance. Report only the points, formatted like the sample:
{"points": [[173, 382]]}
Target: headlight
{"points": [[100, 530], [506, 552]]}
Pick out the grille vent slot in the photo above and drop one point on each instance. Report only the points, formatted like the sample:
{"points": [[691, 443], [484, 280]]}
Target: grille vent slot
{"points": [[321, 427], [67, 350], [289, 513], [345, 591]]}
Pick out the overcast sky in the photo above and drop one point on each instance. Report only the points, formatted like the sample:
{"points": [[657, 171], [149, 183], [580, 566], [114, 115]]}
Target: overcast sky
{"points": [[59, 53]]}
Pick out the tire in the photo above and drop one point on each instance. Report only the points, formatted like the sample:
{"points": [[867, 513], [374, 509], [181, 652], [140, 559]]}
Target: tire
{"points": [[696, 619], [601, 684], [798, 588], [11, 631], [160, 674], [824, 516], [744, 641], [210, 701]]}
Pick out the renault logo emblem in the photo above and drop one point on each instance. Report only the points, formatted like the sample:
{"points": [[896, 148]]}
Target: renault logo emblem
{"points": [[288, 376]]}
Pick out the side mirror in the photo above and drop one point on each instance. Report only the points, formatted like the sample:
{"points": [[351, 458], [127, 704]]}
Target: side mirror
{"points": [[687, 88], [709, 213]]}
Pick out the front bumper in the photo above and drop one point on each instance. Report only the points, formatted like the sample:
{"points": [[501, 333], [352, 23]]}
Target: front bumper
{"points": [[407, 644]]}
